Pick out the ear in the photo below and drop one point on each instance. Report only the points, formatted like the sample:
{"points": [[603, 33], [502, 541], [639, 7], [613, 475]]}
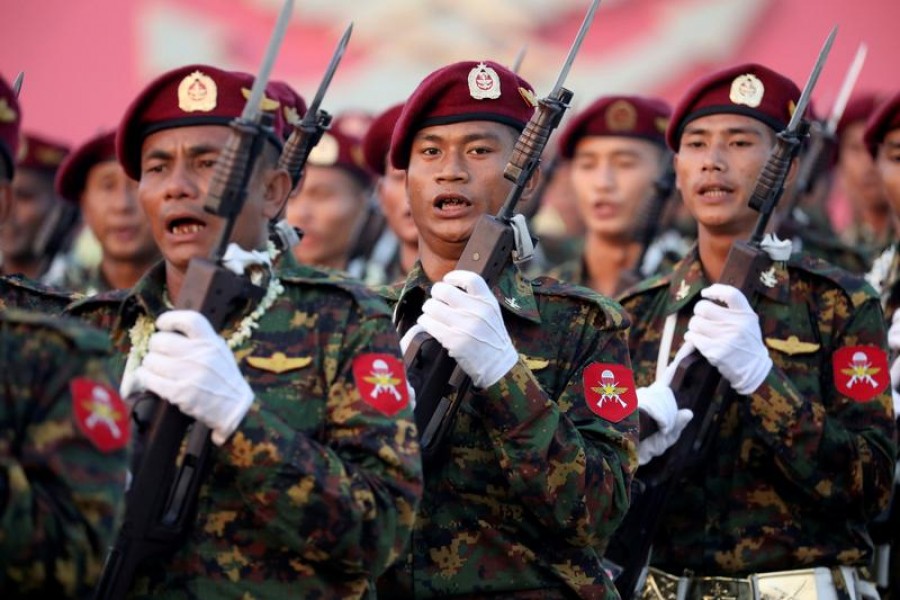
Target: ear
{"points": [[277, 188], [532, 184]]}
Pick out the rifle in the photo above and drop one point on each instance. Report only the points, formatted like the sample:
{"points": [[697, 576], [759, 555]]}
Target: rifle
{"points": [[315, 122], [697, 384], [662, 191], [821, 149], [161, 501], [439, 383]]}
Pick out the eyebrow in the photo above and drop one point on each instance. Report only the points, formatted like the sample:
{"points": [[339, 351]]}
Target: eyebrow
{"points": [[466, 139], [730, 131], [193, 152]]}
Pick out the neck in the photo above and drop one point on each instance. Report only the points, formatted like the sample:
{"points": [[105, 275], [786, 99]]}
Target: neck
{"points": [[606, 259], [408, 255], [435, 264], [32, 269], [878, 218], [713, 251], [123, 274]]}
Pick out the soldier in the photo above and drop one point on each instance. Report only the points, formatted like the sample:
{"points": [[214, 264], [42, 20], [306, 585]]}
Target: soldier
{"points": [[17, 290], [535, 472], [882, 139], [42, 226], [872, 227], [395, 253], [63, 438], [315, 475], [803, 456], [617, 153], [91, 178], [331, 202]]}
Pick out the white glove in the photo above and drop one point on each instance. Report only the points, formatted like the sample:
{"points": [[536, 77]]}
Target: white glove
{"points": [[656, 444], [893, 337], [729, 337], [658, 402], [190, 366], [464, 317]]}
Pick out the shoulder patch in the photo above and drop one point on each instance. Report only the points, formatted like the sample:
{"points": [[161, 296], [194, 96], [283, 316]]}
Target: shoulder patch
{"points": [[82, 336], [381, 381], [100, 414], [612, 311], [609, 391], [854, 286]]}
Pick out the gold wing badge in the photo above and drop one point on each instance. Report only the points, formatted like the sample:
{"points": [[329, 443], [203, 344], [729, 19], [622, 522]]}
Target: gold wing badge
{"points": [[792, 345], [279, 362]]}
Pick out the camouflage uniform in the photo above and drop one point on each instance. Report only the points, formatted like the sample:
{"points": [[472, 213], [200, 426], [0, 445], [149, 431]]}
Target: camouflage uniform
{"points": [[533, 481], [797, 469], [20, 292], [85, 279], [60, 494], [315, 493]]}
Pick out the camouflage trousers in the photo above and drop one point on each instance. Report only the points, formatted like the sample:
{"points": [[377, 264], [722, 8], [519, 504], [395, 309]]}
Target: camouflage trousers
{"points": [[820, 583]]}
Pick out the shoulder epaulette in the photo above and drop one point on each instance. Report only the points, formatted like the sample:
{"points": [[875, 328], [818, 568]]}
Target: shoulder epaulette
{"points": [[613, 312], [367, 299], [83, 337], [854, 286], [88, 303], [651, 283]]}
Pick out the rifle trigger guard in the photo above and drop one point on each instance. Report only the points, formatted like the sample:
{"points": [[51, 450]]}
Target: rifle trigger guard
{"points": [[524, 250]]}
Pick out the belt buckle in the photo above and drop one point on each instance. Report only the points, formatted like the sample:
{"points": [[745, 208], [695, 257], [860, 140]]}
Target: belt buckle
{"points": [[721, 588], [660, 586], [787, 585]]}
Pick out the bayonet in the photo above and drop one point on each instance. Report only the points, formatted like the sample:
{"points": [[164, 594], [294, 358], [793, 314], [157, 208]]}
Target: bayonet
{"points": [[17, 83], [840, 103], [811, 82], [517, 62]]}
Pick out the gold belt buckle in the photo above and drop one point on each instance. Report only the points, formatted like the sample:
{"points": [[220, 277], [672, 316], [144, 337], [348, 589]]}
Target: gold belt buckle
{"points": [[720, 588], [660, 586], [787, 585]]}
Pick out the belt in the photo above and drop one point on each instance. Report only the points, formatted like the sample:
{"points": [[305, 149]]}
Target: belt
{"points": [[819, 583]]}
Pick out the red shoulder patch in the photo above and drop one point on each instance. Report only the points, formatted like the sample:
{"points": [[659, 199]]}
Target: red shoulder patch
{"points": [[860, 372], [609, 391], [381, 380], [100, 414]]}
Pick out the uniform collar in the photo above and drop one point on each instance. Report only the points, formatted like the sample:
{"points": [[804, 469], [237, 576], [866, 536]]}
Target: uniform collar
{"points": [[687, 279], [512, 290]]}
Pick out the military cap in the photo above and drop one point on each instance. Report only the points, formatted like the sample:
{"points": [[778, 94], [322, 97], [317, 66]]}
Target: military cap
{"points": [[749, 89], [339, 148], [377, 141], [622, 116], [10, 119], [885, 119], [40, 153], [858, 108], [293, 106], [463, 91], [190, 95], [72, 174]]}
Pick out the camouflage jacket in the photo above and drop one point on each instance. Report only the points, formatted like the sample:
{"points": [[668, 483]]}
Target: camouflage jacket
{"points": [[315, 493], [533, 481], [86, 280], [20, 292], [798, 467], [63, 456]]}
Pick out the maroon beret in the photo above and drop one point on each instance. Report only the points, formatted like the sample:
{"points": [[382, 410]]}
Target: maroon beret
{"points": [[750, 89], [341, 149], [885, 119], [621, 116], [354, 121], [463, 91], [10, 119], [377, 142], [40, 153], [293, 106], [191, 95], [858, 108], [72, 174]]}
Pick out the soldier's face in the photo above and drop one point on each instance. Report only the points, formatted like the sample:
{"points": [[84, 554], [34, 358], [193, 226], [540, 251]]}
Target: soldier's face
{"points": [[176, 167], [455, 175], [613, 180], [716, 168], [889, 167], [858, 173], [33, 200], [395, 205], [111, 210], [328, 208]]}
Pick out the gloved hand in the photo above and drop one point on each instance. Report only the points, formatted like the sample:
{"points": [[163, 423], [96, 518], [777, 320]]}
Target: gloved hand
{"points": [[464, 317], [190, 366], [658, 402], [893, 337], [654, 445], [729, 337]]}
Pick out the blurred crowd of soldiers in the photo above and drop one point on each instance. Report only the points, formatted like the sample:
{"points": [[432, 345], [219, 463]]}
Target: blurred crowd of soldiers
{"points": [[316, 487]]}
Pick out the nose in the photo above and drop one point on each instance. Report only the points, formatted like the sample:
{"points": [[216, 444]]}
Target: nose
{"points": [[714, 159], [452, 168], [603, 176], [180, 184]]}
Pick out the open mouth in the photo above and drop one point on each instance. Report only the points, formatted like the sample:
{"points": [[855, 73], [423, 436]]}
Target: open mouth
{"points": [[714, 192], [186, 226], [450, 202]]}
